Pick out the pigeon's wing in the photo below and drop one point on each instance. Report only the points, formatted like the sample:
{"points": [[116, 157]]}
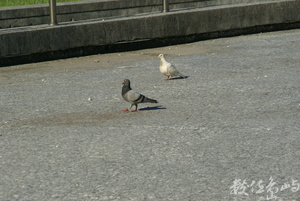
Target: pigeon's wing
{"points": [[173, 71], [131, 96]]}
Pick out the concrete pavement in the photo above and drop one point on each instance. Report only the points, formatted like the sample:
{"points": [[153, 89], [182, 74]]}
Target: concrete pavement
{"points": [[64, 137]]}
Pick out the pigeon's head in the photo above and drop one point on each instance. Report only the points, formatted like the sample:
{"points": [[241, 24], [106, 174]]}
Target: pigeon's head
{"points": [[160, 56], [126, 82]]}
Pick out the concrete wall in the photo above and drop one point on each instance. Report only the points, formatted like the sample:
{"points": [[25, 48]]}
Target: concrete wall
{"points": [[37, 43], [92, 9]]}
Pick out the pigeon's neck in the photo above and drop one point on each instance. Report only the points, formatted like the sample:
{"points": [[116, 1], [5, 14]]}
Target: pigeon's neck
{"points": [[125, 89], [163, 60]]}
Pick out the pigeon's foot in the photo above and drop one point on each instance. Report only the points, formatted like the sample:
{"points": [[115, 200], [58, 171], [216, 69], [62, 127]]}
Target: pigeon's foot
{"points": [[135, 110], [125, 110], [167, 79]]}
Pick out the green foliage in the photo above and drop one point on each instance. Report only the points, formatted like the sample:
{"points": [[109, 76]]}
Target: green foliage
{"points": [[5, 3]]}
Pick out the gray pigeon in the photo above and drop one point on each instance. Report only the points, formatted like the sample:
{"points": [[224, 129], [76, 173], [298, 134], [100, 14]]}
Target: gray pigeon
{"points": [[168, 69], [133, 97]]}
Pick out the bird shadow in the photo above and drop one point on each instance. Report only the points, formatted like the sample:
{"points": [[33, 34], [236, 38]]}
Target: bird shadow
{"points": [[159, 107], [179, 78]]}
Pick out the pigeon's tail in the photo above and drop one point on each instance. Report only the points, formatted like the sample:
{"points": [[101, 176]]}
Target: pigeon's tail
{"points": [[180, 75], [149, 100]]}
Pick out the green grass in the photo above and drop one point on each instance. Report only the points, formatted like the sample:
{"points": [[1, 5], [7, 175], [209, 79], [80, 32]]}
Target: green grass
{"points": [[5, 3]]}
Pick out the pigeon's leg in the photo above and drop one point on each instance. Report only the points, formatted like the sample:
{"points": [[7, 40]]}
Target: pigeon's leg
{"points": [[136, 106], [128, 108], [168, 78]]}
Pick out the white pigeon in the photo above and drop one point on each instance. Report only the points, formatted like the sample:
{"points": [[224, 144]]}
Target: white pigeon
{"points": [[168, 69], [134, 98]]}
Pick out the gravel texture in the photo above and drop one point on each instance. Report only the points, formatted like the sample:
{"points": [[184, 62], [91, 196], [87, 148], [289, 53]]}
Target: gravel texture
{"points": [[63, 135]]}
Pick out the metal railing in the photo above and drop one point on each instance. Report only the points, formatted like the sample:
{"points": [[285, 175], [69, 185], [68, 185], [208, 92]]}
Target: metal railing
{"points": [[53, 15], [165, 6]]}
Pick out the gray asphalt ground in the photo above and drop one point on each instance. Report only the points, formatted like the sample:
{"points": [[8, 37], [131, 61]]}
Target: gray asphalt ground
{"points": [[63, 135]]}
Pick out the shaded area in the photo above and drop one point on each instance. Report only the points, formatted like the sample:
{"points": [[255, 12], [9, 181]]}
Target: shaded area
{"points": [[159, 107]]}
